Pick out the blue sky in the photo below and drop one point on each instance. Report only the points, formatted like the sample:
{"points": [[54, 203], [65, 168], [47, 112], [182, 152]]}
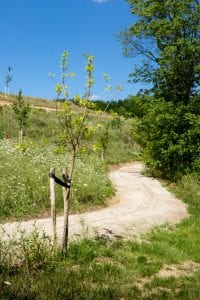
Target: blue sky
{"points": [[34, 33]]}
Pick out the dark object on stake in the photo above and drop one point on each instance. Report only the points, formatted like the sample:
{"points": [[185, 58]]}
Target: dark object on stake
{"points": [[66, 183]]}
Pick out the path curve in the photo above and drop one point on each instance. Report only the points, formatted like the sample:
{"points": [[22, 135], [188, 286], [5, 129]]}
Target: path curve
{"points": [[142, 203]]}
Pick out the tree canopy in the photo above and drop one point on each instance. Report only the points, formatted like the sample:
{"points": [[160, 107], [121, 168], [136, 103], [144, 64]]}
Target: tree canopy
{"points": [[166, 34]]}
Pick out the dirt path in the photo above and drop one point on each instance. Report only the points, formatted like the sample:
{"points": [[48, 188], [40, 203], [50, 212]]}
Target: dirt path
{"points": [[8, 103], [142, 203]]}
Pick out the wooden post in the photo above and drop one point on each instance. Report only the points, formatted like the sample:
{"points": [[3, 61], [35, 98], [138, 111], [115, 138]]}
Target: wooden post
{"points": [[53, 205], [66, 193]]}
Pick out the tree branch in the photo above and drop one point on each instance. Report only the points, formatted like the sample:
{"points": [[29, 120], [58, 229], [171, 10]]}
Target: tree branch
{"points": [[134, 48]]}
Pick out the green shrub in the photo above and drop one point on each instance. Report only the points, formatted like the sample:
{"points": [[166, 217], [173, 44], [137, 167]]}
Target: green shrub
{"points": [[171, 138]]}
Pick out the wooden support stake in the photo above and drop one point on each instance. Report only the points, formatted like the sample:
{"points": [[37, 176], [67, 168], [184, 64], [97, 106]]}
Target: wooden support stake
{"points": [[53, 205]]}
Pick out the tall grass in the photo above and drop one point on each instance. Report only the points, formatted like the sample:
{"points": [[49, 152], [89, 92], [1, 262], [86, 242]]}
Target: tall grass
{"points": [[42, 125], [24, 185]]}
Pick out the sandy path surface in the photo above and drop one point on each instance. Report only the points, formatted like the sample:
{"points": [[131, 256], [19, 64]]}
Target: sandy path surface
{"points": [[3, 103], [8, 103], [142, 203]]}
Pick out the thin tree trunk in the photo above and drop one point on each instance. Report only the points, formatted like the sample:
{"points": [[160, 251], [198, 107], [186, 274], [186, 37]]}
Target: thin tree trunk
{"points": [[53, 205], [102, 155], [66, 197], [20, 134], [107, 106]]}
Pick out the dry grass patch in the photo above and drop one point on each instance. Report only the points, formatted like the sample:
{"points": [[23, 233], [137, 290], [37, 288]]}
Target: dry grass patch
{"points": [[187, 268]]}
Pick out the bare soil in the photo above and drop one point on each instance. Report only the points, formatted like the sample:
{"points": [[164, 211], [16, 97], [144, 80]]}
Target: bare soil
{"points": [[140, 203], [3, 103], [7, 103], [187, 268]]}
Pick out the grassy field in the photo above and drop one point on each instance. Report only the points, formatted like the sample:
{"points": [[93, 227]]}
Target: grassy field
{"points": [[24, 188]]}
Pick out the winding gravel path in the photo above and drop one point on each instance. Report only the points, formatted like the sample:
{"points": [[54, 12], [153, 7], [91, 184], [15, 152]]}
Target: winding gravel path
{"points": [[141, 204]]}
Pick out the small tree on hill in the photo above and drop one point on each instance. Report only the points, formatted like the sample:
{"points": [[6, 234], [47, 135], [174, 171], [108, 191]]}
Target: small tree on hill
{"points": [[21, 111], [8, 79]]}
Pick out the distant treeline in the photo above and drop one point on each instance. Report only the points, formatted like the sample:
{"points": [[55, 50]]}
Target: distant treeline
{"points": [[133, 106], [168, 132]]}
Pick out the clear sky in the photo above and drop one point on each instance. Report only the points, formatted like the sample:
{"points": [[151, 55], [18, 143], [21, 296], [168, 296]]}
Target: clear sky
{"points": [[34, 33]]}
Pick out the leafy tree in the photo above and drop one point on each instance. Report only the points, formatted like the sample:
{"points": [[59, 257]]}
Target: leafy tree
{"points": [[166, 34], [110, 89], [103, 141], [170, 134], [8, 79], [132, 106], [21, 111]]}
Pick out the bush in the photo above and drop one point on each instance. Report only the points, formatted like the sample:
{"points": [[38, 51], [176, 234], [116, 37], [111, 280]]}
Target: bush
{"points": [[171, 138]]}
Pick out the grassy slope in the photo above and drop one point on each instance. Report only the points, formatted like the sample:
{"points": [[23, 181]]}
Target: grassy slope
{"points": [[38, 102], [25, 193], [33, 101]]}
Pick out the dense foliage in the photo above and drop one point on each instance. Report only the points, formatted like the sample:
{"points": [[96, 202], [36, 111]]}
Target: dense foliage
{"points": [[166, 34], [132, 106], [170, 134]]}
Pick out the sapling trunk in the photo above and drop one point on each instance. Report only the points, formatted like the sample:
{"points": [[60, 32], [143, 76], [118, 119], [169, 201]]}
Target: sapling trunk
{"points": [[20, 134], [102, 155], [66, 194], [66, 197]]}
